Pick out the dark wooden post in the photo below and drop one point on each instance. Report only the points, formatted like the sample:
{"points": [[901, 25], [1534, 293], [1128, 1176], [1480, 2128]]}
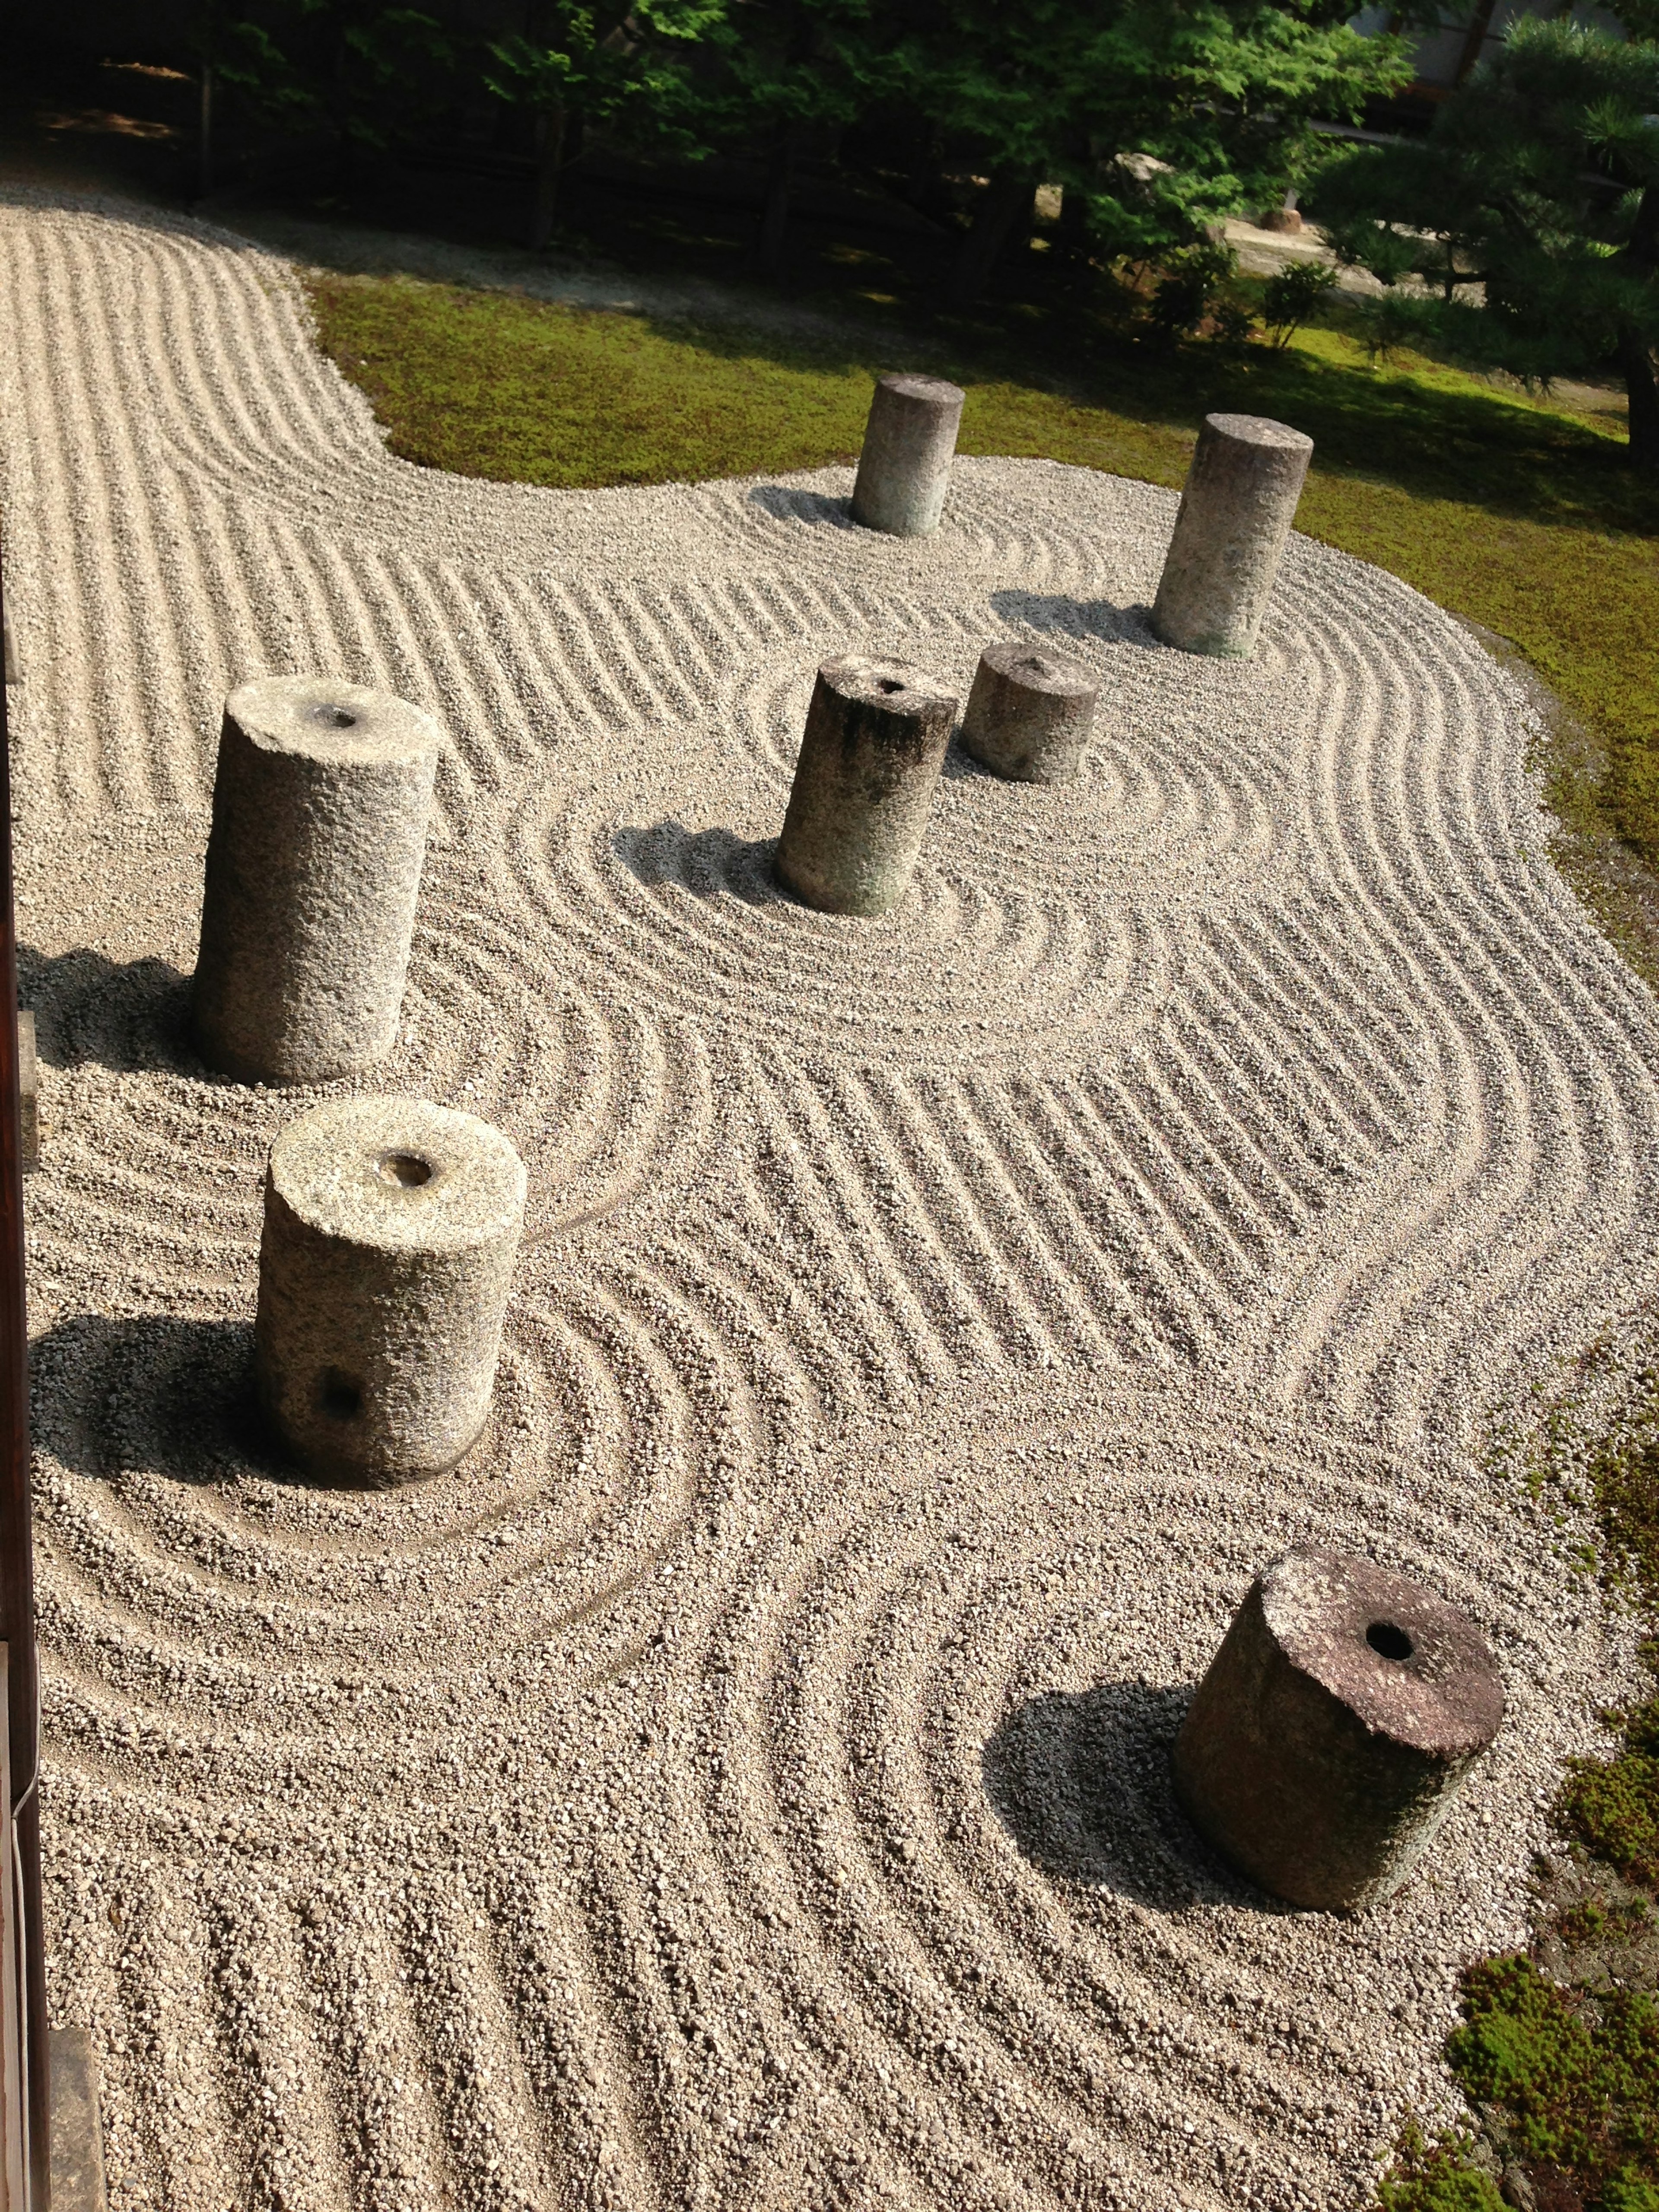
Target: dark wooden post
{"points": [[16, 1525]]}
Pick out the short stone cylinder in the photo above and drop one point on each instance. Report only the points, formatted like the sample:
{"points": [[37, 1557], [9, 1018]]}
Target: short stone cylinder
{"points": [[321, 806], [391, 1227], [909, 442], [1030, 713], [870, 762], [1335, 1727], [1235, 516]]}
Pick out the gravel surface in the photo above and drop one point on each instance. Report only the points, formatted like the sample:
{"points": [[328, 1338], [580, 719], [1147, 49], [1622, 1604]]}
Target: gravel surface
{"points": [[744, 1780]]}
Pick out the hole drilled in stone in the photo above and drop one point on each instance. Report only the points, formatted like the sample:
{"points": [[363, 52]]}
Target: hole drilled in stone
{"points": [[1034, 665], [886, 683], [1388, 1640], [407, 1169], [335, 718], [339, 1395]]}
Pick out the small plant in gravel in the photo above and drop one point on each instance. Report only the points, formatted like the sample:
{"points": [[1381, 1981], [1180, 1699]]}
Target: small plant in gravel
{"points": [[1438, 2177], [1290, 298]]}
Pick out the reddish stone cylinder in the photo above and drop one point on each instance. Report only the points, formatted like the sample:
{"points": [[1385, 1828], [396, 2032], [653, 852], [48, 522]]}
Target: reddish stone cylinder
{"points": [[1334, 1728]]}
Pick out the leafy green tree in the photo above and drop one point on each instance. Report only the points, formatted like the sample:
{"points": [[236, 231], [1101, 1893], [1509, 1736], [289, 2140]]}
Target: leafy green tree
{"points": [[613, 65], [1289, 298], [360, 72], [1166, 118], [789, 70], [1529, 216]]}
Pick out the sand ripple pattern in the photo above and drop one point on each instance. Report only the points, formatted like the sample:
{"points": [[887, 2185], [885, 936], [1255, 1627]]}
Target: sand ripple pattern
{"points": [[942, 1922], [741, 1781]]}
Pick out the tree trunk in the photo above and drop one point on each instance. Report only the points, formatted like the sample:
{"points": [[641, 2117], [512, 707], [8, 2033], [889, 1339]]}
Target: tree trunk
{"points": [[1637, 365], [1005, 200], [549, 162], [774, 215], [1073, 228], [1635, 360], [204, 142]]}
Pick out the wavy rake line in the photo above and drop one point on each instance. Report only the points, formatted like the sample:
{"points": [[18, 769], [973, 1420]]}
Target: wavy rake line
{"points": [[604, 1101], [587, 2078], [695, 921], [160, 2039], [79, 647], [167, 1602], [275, 2083], [885, 1847], [804, 523], [381, 2090], [923, 1145], [1428, 903], [460, 2012]]}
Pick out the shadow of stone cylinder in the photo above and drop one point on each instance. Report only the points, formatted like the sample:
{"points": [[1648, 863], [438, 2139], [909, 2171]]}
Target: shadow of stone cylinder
{"points": [[869, 766], [391, 1229], [909, 442], [320, 804], [1030, 713], [1235, 513], [1334, 1728]]}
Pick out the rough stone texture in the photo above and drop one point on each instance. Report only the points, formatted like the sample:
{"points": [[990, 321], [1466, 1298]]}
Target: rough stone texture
{"points": [[28, 1091], [390, 1226], [869, 766], [1235, 516], [320, 818], [909, 441], [77, 2134], [1334, 1728], [1029, 713]]}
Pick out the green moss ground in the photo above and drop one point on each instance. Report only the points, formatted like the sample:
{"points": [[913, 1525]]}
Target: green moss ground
{"points": [[1518, 517]]}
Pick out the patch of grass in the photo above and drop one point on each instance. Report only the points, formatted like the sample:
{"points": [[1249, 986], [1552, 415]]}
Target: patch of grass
{"points": [[1576, 2078], [1521, 519], [1438, 2177]]}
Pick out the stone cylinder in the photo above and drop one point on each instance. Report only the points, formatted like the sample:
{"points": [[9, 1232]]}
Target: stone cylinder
{"points": [[909, 441], [1335, 1726], [389, 1231], [1235, 514], [1028, 713], [869, 766], [321, 806]]}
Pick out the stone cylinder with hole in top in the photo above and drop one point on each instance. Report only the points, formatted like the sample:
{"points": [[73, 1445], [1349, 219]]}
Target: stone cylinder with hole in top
{"points": [[391, 1228], [909, 442], [1028, 713], [1337, 1724], [321, 806], [1235, 514], [869, 766]]}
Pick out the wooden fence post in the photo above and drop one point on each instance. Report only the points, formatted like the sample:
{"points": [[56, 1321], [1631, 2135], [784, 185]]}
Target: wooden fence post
{"points": [[16, 1537]]}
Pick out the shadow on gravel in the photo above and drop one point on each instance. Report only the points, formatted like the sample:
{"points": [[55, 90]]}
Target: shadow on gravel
{"points": [[92, 1011], [707, 863], [784, 504], [1080, 618], [1080, 1781], [157, 1396]]}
